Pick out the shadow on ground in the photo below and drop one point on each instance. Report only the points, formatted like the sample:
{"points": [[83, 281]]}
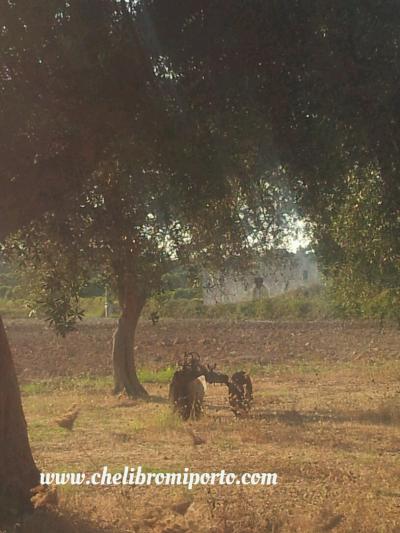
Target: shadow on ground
{"points": [[53, 521], [292, 417]]}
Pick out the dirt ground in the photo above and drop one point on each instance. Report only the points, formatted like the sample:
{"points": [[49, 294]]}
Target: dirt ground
{"points": [[326, 419], [40, 354]]}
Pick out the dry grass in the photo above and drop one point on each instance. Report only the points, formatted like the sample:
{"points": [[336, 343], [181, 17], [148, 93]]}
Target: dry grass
{"points": [[330, 430]]}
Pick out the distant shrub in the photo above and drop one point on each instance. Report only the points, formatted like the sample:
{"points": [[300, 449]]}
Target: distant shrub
{"points": [[246, 309], [93, 307], [302, 304], [384, 304], [265, 309], [310, 303], [187, 294], [176, 308]]}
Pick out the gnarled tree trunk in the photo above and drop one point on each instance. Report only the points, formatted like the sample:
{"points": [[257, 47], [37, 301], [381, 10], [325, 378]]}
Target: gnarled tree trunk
{"points": [[131, 301], [18, 472]]}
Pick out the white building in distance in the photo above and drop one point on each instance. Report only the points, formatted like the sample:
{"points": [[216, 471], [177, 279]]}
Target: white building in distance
{"points": [[273, 275]]}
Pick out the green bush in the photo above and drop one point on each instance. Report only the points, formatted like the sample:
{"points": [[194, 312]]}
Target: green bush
{"points": [[384, 304], [187, 294], [309, 304]]}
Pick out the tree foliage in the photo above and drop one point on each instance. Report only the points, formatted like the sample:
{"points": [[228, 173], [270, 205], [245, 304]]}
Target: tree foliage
{"points": [[67, 97], [360, 249], [308, 75]]}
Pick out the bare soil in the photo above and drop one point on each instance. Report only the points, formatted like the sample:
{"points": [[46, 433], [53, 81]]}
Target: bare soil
{"points": [[40, 354]]}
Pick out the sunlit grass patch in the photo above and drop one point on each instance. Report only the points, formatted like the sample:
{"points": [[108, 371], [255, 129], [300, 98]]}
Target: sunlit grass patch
{"points": [[38, 387], [79, 384], [166, 420], [136, 425], [88, 383], [43, 430], [164, 375]]}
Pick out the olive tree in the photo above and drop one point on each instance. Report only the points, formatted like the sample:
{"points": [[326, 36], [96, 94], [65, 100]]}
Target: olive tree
{"points": [[131, 226]]}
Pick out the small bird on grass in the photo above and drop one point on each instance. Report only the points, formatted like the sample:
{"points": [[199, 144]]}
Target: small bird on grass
{"points": [[332, 523], [68, 419], [197, 440], [44, 496], [181, 507]]}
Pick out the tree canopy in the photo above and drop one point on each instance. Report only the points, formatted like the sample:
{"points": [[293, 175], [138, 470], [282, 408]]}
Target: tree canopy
{"points": [[67, 96], [307, 85]]}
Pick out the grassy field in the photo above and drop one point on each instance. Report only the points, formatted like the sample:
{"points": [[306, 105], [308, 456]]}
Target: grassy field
{"points": [[327, 423]]}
